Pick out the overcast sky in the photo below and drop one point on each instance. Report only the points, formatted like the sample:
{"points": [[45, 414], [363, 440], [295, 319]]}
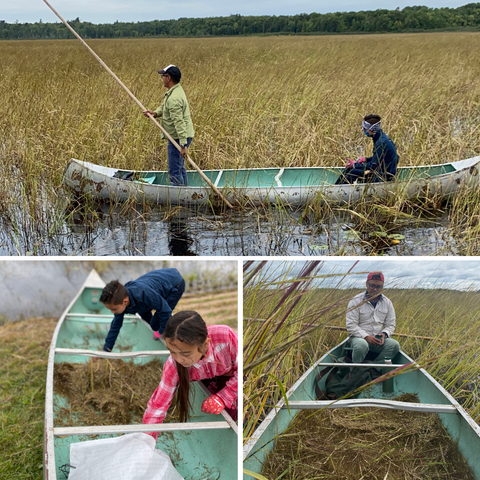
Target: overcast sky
{"points": [[451, 273], [108, 11]]}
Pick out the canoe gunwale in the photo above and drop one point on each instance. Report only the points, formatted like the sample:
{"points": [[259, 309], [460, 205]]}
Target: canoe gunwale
{"points": [[460, 409], [251, 442], [231, 422], [49, 469], [459, 166]]}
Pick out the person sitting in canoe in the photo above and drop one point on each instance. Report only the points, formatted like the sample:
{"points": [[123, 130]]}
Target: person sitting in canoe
{"points": [[176, 121], [197, 353], [381, 166], [159, 290], [371, 322]]}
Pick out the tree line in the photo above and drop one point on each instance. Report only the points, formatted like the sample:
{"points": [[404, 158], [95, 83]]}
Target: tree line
{"points": [[408, 19]]}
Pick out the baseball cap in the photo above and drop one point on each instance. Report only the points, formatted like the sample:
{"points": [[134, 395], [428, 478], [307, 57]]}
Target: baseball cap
{"points": [[172, 70], [372, 274]]}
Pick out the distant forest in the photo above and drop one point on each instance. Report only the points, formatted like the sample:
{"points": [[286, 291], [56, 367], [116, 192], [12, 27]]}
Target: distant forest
{"points": [[409, 19]]}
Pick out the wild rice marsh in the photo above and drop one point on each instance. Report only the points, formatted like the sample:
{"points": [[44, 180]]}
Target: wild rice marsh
{"points": [[289, 324], [256, 102]]}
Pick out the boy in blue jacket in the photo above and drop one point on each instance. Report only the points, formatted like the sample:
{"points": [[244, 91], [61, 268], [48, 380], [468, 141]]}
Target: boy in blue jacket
{"points": [[382, 165], [159, 290]]}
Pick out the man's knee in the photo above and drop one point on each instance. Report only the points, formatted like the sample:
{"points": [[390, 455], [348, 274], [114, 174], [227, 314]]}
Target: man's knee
{"points": [[360, 348], [392, 346]]}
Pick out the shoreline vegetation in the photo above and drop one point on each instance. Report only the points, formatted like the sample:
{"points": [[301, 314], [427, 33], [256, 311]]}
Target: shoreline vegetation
{"points": [[407, 20]]}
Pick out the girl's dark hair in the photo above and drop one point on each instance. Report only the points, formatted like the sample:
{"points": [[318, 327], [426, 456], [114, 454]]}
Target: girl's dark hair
{"points": [[113, 293], [186, 327]]}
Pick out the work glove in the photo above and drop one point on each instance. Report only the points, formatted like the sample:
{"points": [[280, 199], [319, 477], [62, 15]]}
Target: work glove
{"points": [[213, 404], [351, 163]]}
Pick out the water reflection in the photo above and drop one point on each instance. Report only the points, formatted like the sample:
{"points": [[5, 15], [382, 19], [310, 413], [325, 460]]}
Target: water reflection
{"points": [[180, 242], [132, 229]]}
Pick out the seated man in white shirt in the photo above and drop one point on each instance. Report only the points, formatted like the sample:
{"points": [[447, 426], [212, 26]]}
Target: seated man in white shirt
{"points": [[370, 325]]}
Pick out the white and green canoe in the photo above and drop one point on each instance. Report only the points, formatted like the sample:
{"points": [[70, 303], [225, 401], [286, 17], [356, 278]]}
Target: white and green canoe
{"points": [[203, 448], [292, 186], [459, 425]]}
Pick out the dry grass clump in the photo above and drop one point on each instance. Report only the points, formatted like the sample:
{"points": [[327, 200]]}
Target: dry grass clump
{"points": [[366, 443], [105, 392]]}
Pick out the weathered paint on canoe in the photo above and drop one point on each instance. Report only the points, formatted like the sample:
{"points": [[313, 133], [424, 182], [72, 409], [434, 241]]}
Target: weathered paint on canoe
{"points": [[197, 454], [293, 186], [459, 425]]}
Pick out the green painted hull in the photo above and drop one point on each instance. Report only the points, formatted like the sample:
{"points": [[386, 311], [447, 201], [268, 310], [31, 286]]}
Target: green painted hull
{"points": [[197, 454], [255, 186], [460, 426]]}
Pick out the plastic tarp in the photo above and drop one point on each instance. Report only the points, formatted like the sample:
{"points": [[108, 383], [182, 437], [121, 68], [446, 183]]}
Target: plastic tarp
{"points": [[131, 457]]}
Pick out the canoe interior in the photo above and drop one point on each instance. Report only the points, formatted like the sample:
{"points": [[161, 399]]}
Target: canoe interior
{"points": [[413, 382], [290, 177], [207, 454]]}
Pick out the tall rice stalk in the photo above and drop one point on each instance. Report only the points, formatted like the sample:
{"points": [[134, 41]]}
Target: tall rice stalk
{"points": [[278, 349]]}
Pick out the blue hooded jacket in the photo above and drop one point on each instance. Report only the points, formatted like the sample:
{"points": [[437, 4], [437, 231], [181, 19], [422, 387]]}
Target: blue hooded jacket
{"points": [[384, 160]]}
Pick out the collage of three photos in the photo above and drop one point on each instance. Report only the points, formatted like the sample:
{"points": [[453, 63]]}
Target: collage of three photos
{"points": [[239, 245]]}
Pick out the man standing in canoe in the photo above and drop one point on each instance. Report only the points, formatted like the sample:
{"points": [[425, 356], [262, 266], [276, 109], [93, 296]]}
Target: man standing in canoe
{"points": [[372, 322], [159, 290], [176, 121], [382, 165]]}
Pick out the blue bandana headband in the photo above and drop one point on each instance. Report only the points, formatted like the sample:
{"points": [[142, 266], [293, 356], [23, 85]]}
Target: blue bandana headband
{"points": [[375, 127]]}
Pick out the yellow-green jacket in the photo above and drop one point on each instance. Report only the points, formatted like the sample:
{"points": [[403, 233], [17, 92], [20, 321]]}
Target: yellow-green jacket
{"points": [[175, 114]]}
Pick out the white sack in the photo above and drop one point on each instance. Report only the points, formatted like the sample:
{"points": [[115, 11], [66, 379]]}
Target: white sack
{"points": [[129, 457]]}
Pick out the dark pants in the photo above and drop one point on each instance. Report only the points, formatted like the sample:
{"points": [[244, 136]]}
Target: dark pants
{"points": [[349, 175], [176, 164], [215, 384]]}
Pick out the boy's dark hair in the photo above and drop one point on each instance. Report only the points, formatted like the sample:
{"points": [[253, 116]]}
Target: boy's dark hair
{"points": [[372, 119], [186, 327], [113, 293]]}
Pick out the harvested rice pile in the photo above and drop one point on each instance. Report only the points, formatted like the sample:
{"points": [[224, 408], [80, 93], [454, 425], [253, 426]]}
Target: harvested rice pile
{"points": [[367, 444], [105, 392]]}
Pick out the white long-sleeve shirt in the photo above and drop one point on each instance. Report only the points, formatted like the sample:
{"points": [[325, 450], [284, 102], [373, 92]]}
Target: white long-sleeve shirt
{"points": [[369, 320]]}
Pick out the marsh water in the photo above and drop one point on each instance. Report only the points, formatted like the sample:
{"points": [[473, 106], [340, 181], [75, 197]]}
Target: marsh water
{"points": [[154, 231]]}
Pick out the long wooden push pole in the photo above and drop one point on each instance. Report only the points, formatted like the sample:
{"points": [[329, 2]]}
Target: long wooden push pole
{"points": [[134, 98]]}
